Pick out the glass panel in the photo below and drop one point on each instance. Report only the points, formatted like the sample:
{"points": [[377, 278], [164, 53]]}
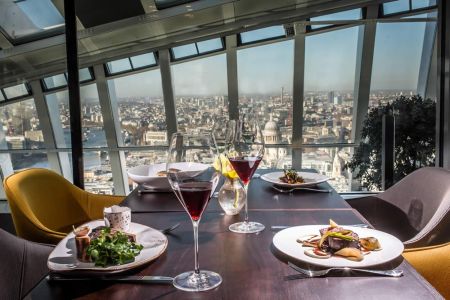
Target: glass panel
{"points": [[84, 75], [354, 14], [143, 60], [209, 45], [262, 34], [22, 161], [330, 62], [55, 81], [137, 158], [395, 7], [138, 105], [184, 51], [23, 18], [16, 91], [200, 88], [93, 131], [265, 87], [118, 66], [422, 3], [397, 56], [331, 162], [20, 127], [97, 173]]}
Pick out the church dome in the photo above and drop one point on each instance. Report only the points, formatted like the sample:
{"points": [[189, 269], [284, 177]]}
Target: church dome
{"points": [[271, 126]]}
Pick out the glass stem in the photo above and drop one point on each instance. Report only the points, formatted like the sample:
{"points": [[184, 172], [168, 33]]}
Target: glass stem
{"points": [[246, 204], [197, 268]]}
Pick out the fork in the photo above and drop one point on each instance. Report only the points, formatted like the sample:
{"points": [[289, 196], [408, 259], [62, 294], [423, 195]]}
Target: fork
{"points": [[318, 273], [170, 229], [300, 189]]}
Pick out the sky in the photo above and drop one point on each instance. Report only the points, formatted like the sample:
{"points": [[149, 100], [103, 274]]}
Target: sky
{"points": [[330, 62]]}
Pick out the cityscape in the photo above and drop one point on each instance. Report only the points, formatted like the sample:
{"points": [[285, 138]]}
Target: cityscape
{"points": [[327, 119]]}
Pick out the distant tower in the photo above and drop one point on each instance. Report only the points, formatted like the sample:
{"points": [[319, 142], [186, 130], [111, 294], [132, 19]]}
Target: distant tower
{"points": [[331, 97], [282, 95]]}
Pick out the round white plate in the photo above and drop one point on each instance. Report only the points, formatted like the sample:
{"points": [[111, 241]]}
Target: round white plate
{"points": [[286, 242], [63, 257], [310, 179]]}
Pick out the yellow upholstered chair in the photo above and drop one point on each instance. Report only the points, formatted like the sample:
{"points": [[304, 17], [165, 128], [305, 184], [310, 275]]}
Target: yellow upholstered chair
{"points": [[44, 205]]}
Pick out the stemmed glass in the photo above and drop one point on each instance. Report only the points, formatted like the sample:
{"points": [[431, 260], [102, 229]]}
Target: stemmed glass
{"points": [[193, 178], [245, 150]]}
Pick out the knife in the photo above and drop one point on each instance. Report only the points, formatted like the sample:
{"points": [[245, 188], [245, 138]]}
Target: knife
{"points": [[122, 279], [280, 227]]}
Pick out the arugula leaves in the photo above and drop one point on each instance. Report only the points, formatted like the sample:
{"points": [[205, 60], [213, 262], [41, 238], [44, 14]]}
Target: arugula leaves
{"points": [[112, 249]]}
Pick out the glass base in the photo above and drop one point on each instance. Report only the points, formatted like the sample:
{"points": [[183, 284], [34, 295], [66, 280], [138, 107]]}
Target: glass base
{"points": [[249, 227], [193, 282]]}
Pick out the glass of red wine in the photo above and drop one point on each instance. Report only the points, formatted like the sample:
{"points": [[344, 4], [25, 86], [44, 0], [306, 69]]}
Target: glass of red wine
{"points": [[193, 178], [245, 150]]}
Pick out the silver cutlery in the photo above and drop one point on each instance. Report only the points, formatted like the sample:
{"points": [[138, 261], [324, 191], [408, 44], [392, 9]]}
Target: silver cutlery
{"points": [[280, 227], [300, 189], [145, 190], [170, 229], [124, 279], [319, 273]]}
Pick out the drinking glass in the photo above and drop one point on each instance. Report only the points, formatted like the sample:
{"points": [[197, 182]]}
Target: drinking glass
{"points": [[245, 150], [193, 178]]}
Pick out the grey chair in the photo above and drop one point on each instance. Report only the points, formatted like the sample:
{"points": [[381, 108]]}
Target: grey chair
{"points": [[22, 265], [416, 209]]}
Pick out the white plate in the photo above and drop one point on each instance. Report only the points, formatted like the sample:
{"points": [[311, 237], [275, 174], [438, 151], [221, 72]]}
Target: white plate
{"points": [[286, 242], [63, 257], [310, 179]]}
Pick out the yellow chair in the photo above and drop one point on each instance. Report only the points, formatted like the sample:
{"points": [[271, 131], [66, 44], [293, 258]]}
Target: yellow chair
{"points": [[44, 205], [433, 263]]}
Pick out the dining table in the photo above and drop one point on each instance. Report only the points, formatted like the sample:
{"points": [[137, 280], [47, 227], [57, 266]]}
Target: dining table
{"points": [[250, 265]]}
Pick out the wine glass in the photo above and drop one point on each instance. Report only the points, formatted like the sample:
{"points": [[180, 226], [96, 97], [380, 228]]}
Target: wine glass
{"points": [[245, 150], [193, 178]]}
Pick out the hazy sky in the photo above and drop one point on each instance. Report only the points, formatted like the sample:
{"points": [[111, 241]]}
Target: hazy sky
{"points": [[329, 65]]}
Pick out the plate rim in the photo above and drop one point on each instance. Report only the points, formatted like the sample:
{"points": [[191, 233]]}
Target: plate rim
{"points": [[321, 262], [265, 178], [111, 269]]}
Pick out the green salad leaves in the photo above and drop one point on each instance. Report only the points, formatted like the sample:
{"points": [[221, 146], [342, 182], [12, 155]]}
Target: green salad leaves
{"points": [[112, 248]]}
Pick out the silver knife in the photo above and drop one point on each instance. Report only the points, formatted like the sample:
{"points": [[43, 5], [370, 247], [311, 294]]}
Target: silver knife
{"points": [[280, 227], [124, 279]]}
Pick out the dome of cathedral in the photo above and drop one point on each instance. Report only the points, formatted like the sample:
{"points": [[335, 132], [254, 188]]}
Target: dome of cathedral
{"points": [[271, 126]]}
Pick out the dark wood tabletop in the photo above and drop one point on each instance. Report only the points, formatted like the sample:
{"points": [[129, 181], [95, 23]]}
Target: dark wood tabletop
{"points": [[261, 196], [250, 266]]}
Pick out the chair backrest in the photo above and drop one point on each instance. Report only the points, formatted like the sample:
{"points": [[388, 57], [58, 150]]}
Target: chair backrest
{"points": [[23, 264], [424, 196], [44, 198]]}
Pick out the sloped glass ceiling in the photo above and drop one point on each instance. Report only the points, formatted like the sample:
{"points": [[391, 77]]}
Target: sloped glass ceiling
{"points": [[23, 19]]}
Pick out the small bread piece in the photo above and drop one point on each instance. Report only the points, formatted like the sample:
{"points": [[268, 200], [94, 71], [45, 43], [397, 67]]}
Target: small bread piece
{"points": [[351, 254], [161, 173]]}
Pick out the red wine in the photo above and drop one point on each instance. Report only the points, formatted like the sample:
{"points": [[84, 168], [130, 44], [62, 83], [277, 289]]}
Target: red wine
{"points": [[195, 196], [245, 166]]}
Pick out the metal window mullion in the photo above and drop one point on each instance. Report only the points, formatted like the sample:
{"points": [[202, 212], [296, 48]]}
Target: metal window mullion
{"points": [[428, 48], [168, 94], [232, 77], [363, 72], [298, 94], [112, 131], [46, 126]]}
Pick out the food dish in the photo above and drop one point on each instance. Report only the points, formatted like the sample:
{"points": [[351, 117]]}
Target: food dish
{"points": [[64, 259], [286, 242], [309, 178]]}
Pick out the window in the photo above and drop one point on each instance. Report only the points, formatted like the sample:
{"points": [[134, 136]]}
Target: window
{"points": [[22, 161], [406, 5], [92, 119], [354, 14], [396, 62], [265, 87], [131, 63], [16, 91], [330, 62], [60, 80], [21, 19], [197, 48], [416, 4], [20, 127], [138, 101], [2, 98], [200, 88], [330, 162], [262, 34]]}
